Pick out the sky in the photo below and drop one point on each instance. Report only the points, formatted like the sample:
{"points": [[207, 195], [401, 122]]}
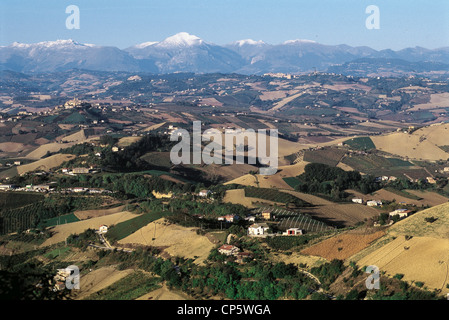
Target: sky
{"points": [[120, 23]]}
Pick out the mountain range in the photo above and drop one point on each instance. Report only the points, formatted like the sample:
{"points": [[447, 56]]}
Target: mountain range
{"points": [[184, 52]]}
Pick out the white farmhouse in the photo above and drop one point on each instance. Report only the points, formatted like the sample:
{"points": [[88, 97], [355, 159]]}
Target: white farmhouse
{"points": [[402, 213], [258, 229], [293, 232], [373, 203]]}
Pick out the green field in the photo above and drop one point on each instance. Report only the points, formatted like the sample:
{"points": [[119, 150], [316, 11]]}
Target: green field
{"points": [[74, 118], [361, 143], [292, 181], [125, 228], [58, 253], [329, 156], [377, 165], [159, 159], [67, 218], [10, 200]]}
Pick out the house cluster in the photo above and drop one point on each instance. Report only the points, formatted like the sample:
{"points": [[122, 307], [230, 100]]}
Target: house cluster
{"points": [[386, 178], [171, 130], [369, 203], [41, 187], [74, 103], [278, 75], [10, 164], [229, 218], [79, 170], [263, 230], [61, 277], [87, 190], [7, 187], [230, 250]]}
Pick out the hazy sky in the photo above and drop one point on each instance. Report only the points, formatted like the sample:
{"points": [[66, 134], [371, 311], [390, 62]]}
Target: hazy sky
{"points": [[403, 23]]}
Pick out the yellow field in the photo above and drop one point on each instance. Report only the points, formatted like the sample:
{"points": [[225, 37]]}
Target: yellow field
{"points": [[165, 293], [154, 127], [428, 197], [347, 214], [418, 259], [342, 246], [75, 137], [237, 196], [286, 100], [272, 95], [12, 146], [417, 226], [99, 279], [423, 257], [126, 141], [272, 181], [88, 214], [64, 230], [421, 144], [45, 164], [437, 100], [176, 240]]}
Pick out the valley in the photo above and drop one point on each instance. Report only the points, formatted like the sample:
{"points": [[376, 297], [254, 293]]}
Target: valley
{"points": [[81, 150]]}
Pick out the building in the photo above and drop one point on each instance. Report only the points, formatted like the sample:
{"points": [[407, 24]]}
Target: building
{"points": [[402, 213], [357, 200], [373, 203], [431, 180], [80, 170], [241, 256], [293, 232], [103, 229], [267, 215], [251, 218], [228, 249], [229, 218], [258, 229], [204, 193], [160, 195], [5, 187]]}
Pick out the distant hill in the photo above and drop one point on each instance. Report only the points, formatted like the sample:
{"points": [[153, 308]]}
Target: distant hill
{"points": [[385, 66], [183, 52]]}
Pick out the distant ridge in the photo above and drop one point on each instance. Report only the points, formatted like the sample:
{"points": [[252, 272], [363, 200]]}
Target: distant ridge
{"points": [[184, 52]]}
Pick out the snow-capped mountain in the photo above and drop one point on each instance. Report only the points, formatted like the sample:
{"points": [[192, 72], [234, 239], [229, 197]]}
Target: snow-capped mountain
{"points": [[250, 50], [184, 52], [189, 53], [63, 55], [182, 39]]}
